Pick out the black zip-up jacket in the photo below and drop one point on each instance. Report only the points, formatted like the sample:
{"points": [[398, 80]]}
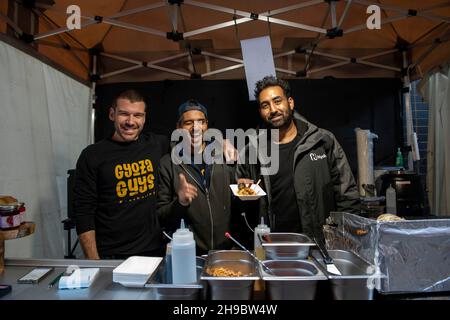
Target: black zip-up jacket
{"points": [[209, 215], [323, 180]]}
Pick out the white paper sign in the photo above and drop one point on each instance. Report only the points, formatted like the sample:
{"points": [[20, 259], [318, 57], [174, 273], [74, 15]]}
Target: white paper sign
{"points": [[258, 61]]}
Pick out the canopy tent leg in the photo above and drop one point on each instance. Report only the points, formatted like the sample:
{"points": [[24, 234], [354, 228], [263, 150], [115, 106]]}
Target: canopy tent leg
{"points": [[409, 123]]}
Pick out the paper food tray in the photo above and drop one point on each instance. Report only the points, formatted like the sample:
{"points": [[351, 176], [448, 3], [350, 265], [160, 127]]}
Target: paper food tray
{"points": [[135, 271], [259, 192]]}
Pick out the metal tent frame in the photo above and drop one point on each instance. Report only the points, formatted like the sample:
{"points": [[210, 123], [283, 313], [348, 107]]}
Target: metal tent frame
{"points": [[245, 17]]}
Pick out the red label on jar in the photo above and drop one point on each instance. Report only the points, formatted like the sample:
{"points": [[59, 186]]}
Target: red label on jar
{"points": [[10, 221]]}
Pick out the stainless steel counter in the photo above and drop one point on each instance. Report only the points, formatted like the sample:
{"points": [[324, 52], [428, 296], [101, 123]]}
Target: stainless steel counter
{"points": [[103, 288]]}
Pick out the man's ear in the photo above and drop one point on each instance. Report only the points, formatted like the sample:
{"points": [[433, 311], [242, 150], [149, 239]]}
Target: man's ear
{"points": [[291, 103], [111, 114]]}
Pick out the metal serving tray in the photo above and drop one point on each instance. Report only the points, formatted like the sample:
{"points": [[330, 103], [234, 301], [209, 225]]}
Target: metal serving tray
{"points": [[357, 279], [161, 287], [286, 246], [291, 279], [230, 288]]}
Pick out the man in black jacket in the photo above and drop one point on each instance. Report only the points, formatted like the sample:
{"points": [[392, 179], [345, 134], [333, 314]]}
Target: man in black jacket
{"points": [[195, 190], [313, 177]]}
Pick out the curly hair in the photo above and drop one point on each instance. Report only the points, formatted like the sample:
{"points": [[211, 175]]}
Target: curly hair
{"points": [[271, 81]]}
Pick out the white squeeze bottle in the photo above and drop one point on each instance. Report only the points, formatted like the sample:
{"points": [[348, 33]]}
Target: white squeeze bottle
{"points": [[183, 256], [391, 201], [260, 230]]}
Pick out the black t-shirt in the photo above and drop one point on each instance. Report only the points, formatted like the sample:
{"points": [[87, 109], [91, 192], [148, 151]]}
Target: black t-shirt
{"points": [[284, 204], [202, 174], [115, 194]]}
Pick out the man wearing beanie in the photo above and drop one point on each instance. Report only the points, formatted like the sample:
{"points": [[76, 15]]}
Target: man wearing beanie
{"points": [[196, 191]]}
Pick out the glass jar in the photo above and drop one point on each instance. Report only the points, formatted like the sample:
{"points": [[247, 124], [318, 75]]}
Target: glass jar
{"points": [[10, 217], [22, 212]]}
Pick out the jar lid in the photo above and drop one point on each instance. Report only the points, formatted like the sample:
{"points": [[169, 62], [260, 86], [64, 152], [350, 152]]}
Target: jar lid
{"points": [[9, 207], [14, 204]]}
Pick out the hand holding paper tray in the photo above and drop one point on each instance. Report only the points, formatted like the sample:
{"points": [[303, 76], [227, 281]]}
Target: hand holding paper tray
{"points": [[259, 192], [80, 278]]}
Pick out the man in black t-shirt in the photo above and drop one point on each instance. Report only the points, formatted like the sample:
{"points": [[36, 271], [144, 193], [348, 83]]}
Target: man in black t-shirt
{"points": [[115, 187], [313, 176]]}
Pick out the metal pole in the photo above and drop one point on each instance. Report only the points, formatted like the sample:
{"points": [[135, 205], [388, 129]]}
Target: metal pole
{"points": [[120, 71], [283, 54], [218, 56], [378, 54], [292, 24], [344, 14], [237, 66], [328, 55], [138, 10], [134, 27], [377, 65], [62, 30], [183, 74], [286, 71], [177, 56], [332, 5], [92, 102], [332, 66], [215, 27], [114, 56], [291, 8], [409, 122], [207, 64], [173, 16]]}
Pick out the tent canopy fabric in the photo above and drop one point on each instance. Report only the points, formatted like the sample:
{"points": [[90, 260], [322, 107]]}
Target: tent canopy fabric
{"points": [[132, 37]]}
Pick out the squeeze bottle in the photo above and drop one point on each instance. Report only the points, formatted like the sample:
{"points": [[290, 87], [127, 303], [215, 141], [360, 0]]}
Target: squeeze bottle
{"points": [[183, 256], [391, 200], [260, 230], [399, 158]]}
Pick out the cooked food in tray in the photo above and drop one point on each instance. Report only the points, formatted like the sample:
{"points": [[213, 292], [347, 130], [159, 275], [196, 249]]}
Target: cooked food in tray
{"points": [[245, 190], [224, 272]]}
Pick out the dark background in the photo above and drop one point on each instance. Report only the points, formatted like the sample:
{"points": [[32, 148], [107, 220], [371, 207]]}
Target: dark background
{"points": [[338, 105]]}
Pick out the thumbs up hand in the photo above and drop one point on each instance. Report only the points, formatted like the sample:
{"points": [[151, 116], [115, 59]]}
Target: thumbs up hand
{"points": [[186, 192]]}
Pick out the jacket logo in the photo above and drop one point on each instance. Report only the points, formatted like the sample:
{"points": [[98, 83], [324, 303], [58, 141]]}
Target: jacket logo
{"points": [[315, 157]]}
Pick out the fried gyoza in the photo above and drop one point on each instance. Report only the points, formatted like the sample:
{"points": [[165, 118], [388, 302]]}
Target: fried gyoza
{"points": [[244, 190]]}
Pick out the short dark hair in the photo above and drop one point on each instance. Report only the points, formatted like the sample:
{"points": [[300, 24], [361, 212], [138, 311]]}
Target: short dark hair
{"points": [[271, 81], [132, 95]]}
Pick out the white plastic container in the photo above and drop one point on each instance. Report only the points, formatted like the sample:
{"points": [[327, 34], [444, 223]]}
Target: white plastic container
{"points": [[183, 256], [391, 200], [260, 230]]}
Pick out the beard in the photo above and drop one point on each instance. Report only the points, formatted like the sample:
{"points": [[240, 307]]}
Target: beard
{"points": [[281, 120]]}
